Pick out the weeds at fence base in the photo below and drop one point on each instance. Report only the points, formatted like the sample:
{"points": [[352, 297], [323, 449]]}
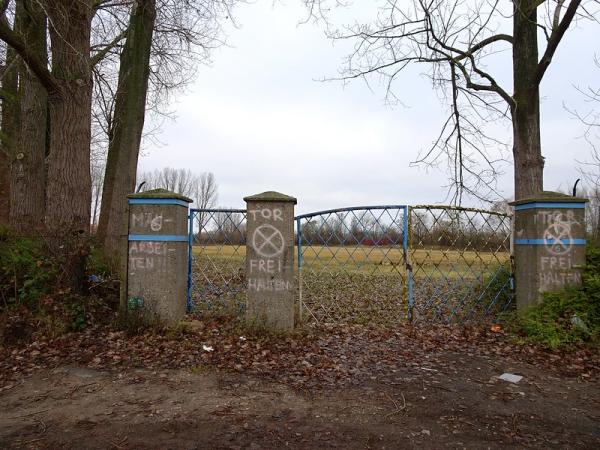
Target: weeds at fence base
{"points": [[37, 295], [132, 322], [569, 317], [552, 323]]}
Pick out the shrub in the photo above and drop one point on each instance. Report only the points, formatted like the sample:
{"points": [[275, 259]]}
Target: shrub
{"points": [[36, 297], [565, 318], [27, 273]]}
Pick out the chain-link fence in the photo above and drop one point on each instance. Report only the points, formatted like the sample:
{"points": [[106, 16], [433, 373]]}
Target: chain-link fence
{"points": [[217, 280], [377, 264], [459, 263], [352, 264]]}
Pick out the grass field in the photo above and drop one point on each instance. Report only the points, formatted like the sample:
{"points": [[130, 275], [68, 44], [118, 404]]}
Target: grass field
{"points": [[430, 261], [366, 284]]}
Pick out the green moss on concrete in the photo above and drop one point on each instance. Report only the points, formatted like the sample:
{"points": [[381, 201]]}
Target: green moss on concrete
{"points": [[160, 193], [549, 196], [270, 196]]}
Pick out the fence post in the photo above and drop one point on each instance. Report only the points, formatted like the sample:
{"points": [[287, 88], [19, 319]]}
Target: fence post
{"points": [[299, 250], [270, 261], [549, 245], [157, 263], [189, 303], [406, 247]]}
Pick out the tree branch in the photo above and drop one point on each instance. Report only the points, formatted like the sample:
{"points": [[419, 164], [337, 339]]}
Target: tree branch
{"points": [[497, 37], [469, 54], [555, 37], [459, 137], [492, 87], [102, 53], [37, 66], [107, 3]]}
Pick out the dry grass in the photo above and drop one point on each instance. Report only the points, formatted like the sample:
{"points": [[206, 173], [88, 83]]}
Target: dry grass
{"points": [[368, 259], [361, 284]]}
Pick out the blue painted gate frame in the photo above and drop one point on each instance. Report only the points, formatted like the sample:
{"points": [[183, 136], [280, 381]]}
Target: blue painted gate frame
{"points": [[405, 231], [406, 244]]}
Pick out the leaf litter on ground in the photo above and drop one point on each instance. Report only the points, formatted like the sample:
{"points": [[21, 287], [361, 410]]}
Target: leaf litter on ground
{"points": [[314, 357]]}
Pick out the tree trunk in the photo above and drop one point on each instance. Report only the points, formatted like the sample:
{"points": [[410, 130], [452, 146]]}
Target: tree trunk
{"points": [[28, 177], [69, 179], [127, 127], [527, 151], [4, 186], [9, 130]]}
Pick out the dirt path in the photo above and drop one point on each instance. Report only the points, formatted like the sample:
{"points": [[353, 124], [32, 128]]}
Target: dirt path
{"points": [[453, 400]]}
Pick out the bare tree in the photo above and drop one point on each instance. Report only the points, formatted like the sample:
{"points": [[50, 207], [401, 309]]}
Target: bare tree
{"points": [[97, 183], [591, 121], [459, 41], [180, 181], [590, 170], [9, 128], [201, 188], [591, 175], [28, 168], [592, 212], [67, 82], [226, 228], [69, 87], [206, 191], [165, 40], [206, 197], [126, 126]]}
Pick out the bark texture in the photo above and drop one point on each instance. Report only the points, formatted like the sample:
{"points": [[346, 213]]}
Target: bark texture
{"points": [[9, 130], [527, 150], [4, 188], [69, 179], [28, 177], [127, 127]]}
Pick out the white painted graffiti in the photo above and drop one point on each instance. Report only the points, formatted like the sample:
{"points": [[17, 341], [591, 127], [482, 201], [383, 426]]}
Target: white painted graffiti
{"points": [[558, 238], [550, 217], [260, 285], [151, 220], [557, 235], [555, 263], [267, 241], [267, 214], [149, 256], [143, 263], [149, 248], [265, 265], [553, 280]]}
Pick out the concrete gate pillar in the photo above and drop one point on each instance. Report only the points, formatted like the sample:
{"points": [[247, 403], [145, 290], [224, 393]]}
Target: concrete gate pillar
{"points": [[157, 256], [549, 245], [270, 261]]}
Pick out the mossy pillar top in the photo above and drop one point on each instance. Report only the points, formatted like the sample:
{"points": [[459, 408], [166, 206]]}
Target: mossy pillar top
{"points": [[549, 244], [270, 261], [157, 256]]}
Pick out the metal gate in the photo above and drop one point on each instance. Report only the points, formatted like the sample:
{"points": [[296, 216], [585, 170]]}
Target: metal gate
{"points": [[370, 264], [352, 264], [217, 254]]}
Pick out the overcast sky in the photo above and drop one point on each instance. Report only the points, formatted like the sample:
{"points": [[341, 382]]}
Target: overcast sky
{"points": [[259, 119]]}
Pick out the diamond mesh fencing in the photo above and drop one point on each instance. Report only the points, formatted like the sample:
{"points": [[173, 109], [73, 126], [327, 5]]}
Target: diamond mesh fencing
{"points": [[459, 263], [379, 264], [352, 264], [217, 261]]}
